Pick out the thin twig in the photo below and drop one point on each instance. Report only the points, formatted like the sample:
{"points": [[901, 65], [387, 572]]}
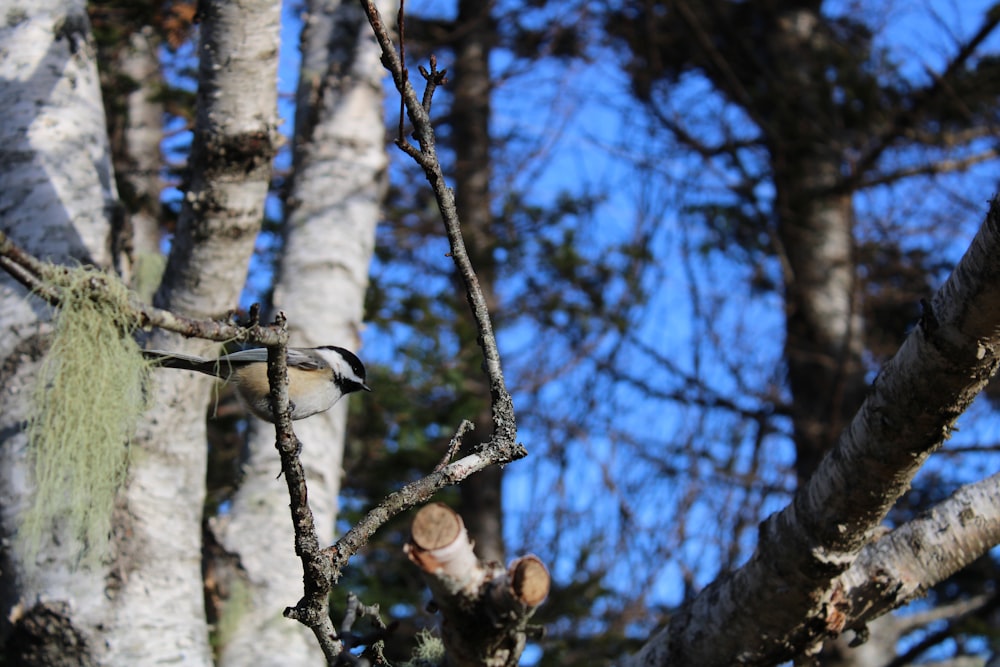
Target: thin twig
{"points": [[374, 641], [504, 425], [455, 444], [434, 78]]}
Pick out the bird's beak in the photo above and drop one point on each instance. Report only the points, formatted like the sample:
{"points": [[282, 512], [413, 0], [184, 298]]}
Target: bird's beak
{"points": [[366, 387]]}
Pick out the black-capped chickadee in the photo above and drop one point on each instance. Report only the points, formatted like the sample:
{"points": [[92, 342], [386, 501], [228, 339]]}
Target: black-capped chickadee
{"points": [[317, 377]]}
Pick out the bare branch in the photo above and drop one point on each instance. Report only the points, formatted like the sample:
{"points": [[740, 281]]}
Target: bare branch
{"points": [[409, 496], [313, 610], [784, 599], [32, 273], [907, 117], [455, 444], [937, 167], [504, 425]]}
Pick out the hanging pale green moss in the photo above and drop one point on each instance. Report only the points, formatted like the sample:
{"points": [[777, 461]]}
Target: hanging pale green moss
{"points": [[87, 401]]}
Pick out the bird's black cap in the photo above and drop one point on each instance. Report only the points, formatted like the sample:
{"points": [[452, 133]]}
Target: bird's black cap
{"points": [[352, 359]]}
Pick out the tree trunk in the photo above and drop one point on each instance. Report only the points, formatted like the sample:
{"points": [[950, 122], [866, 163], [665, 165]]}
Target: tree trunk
{"points": [[161, 611], [57, 197], [823, 344], [138, 163], [334, 205], [815, 230], [146, 606]]}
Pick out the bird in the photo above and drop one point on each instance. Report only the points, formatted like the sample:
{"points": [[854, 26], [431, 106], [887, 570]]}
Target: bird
{"points": [[318, 377]]}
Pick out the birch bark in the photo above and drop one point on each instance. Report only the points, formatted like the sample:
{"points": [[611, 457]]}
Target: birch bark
{"points": [[56, 194], [160, 610], [334, 206]]}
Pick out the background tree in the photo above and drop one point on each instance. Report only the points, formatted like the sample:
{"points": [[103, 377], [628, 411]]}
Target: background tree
{"points": [[718, 442]]}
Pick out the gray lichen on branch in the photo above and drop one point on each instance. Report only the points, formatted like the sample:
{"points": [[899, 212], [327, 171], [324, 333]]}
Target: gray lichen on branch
{"points": [[31, 272]]}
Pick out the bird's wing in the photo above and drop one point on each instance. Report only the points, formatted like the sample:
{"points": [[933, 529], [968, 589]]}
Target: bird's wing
{"points": [[305, 361], [249, 356], [296, 358], [174, 359]]}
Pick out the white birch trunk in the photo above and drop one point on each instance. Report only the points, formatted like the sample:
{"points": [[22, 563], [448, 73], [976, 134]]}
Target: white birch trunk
{"points": [[161, 615], [143, 132], [334, 207], [57, 193]]}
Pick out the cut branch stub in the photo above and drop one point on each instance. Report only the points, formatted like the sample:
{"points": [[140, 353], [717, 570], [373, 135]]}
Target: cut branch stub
{"points": [[530, 580], [440, 546], [485, 607]]}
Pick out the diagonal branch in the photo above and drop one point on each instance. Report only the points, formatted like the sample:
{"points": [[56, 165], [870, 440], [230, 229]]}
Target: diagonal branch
{"points": [[931, 169], [786, 598], [425, 154], [35, 275], [412, 495], [904, 563]]}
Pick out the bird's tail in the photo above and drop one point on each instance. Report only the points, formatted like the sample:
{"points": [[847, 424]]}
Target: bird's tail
{"points": [[185, 362]]}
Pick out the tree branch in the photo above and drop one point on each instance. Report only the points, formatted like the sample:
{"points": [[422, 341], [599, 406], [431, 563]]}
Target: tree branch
{"points": [[782, 602], [931, 169], [903, 564], [908, 116], [411, 495], [504, 424], [36, 275], [313, 610]]}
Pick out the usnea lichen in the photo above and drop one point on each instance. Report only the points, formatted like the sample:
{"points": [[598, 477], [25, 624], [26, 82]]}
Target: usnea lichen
{"points": [[86, 403]]}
